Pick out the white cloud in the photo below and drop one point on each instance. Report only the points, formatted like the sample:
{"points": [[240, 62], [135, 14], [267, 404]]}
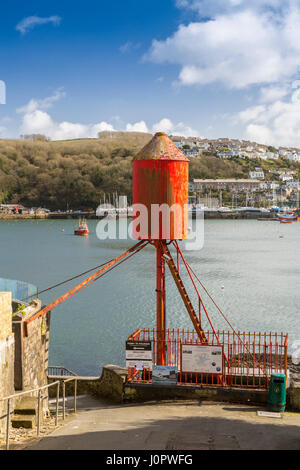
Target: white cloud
{"points": [[251, 113], [45, 103], [261, 134], [167, 126], [244, 43], [101, 127], [164, 125], [210, 8], [137, 127], [36, 120], [40, 122], [273, 93], [276, 123], [2, 130], [129, 46], [32, 21]]}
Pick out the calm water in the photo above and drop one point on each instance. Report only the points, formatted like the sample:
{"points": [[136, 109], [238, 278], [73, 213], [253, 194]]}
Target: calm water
{"points": [[259, 270]]}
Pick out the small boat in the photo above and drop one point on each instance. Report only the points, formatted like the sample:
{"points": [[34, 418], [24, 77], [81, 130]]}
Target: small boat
{"points": [[82, 228], [286, 217], [224, 209], [286, 221]]}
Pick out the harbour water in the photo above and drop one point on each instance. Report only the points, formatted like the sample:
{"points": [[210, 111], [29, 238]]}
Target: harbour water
{"points": [[251, 268]]}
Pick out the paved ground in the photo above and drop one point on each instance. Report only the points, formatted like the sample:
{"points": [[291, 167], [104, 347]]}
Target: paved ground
{"points": [[172, 426]]}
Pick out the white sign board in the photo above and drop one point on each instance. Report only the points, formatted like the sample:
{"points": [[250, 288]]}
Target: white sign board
{"points": [[139, 354], [202, 359]]}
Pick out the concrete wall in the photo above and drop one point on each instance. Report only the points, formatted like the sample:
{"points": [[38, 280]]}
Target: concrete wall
{"points": [[7, 348]]}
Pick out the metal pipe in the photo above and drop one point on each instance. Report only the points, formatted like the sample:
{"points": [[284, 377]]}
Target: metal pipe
{"points": [[161, 305], [64, 400], [8, 424], [57, 401], [39, 413], [27, 392], [75, 396], [10, 397]]}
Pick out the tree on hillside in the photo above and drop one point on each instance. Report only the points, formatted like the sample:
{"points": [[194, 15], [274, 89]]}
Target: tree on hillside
{"points": [[35, 137]]}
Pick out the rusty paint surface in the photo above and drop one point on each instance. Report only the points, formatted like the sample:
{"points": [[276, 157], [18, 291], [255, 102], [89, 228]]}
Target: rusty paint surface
{"points": [[161, 182], [161, 147], [160, 176]]}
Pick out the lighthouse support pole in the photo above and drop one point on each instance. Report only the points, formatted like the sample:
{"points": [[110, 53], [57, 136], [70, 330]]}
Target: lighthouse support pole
{"points": [[161, 306]]}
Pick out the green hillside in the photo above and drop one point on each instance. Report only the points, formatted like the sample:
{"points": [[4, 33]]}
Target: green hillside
{"points": [[74, 174]]}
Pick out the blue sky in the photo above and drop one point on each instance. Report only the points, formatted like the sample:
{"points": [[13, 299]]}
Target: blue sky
{"points": [[193, 67]]}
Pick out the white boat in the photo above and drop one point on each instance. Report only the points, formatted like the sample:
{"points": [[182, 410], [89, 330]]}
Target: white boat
{"points": [[224, 209], [247, 209], [197, 208]]}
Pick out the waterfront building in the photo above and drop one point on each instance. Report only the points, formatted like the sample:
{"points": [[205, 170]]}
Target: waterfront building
{"points": [[230, 184]]}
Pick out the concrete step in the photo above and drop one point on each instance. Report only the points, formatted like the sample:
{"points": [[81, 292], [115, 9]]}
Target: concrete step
{"points": [[25, 413], [26, 406], [23, 421]]}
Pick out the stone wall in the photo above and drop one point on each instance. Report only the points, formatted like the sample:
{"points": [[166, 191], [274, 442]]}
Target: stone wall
{"points": [[5, 315], [111, 384], [114, 386], [35, 350], [7, 348]]}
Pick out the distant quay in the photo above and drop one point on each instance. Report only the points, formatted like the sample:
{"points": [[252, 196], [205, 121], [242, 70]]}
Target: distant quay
{"points": [[209, 215], [4, 216]]}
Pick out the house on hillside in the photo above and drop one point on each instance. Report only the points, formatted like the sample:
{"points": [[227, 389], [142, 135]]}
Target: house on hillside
{"points": [[285, 177], [293, 185], [293, 156], [257, 174]]}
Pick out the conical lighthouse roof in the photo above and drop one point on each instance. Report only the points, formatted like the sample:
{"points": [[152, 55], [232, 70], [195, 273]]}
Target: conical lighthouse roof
{"points": [[161, 147]]}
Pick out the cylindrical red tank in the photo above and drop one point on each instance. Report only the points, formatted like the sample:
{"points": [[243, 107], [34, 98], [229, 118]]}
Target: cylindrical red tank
{"points": [[160, 191]]}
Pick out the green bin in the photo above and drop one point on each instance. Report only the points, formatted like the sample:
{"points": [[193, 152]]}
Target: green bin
{"points": [[277, 393]]}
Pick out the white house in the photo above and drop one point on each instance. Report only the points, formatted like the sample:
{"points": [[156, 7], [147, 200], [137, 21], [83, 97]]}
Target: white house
{"points": [[203, 145], [257, 174], [267, 185], [293, 184], [285, 178], [294, 156]]}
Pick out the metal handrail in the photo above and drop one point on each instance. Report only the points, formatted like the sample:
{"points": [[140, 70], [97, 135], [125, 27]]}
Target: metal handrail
{"points": [[43, 387], [16, 395], [62, 370], [66, 379]]}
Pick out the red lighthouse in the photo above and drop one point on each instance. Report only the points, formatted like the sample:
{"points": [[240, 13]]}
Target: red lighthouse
{"points": [[160, 199]]}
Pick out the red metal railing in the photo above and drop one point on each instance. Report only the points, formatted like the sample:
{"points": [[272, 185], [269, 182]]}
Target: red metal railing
{"points": [[251, 357]]}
